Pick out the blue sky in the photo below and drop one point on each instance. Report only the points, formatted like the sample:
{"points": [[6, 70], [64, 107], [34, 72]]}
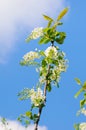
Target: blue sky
{"points": [[18, 18]]}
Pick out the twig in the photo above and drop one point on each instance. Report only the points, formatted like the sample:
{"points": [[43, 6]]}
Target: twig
{"points": [[45, 92]]}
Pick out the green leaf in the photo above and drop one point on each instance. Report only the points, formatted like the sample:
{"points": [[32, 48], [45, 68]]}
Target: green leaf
{"points": [[49, 23], [84, 85], [82, 103], [61, 38], [63, 12], [44, 40], [78, 81], [35, 116], [28, 39], [76, 126], [49, 88], [47, 18], [57, 33], [44, 63], [42, 53], [78, 93], [23, 95], [85, 96], [56, 24], [46, 29], [59, 23], [3, 120], [27, 122], [19, 119], [28, 114]]}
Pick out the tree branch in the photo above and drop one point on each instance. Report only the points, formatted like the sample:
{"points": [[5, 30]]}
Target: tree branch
{"points": [[41, 107]]}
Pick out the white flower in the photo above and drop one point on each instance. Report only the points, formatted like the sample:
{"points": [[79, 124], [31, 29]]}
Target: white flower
{"points": [[36, 33], [51, 52], [62, 66], [57, 68], [30, 56], [83, 111], [37, 97], [82, 126]]}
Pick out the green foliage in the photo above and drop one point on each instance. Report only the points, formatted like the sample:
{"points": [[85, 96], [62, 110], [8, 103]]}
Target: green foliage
{"points": [[78, 93], [24, 94], [28, 39], [23, 118], [63, 12], [29, 114], [49, 24], [24, 63], [78, 81], [49, 88], [44, 40], [5, 124], [82, 103], [83, 87], [60, 38], [4, 121], [76, 126], [47, 18], [50, 32], [82, 110]]}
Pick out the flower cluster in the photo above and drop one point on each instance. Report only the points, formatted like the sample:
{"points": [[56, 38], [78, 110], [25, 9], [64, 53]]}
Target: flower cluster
{"points": [[58, 64], [37, 97], [30, 56], [36, 33], [82, 111], [51, 52], [82, 126]]}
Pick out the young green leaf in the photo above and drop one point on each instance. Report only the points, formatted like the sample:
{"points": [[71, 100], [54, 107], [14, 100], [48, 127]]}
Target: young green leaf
{"points": [[49, 88], [78, 93], [59, 23], [42, 53], [28, 114], [49, 24], [47, 18], [82, 103], [56, 24], [61, 38], [84, 85], [28, 39], [85, 96], [64, 11], [44, 40], [76, 126], [78, 81]]}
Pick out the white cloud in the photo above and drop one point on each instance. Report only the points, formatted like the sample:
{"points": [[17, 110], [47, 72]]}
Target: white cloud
{"points": [[18, 13], [14, 125]]}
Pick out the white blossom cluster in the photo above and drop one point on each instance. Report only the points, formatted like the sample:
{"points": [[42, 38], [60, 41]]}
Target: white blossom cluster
{"points": [[82, 111], [36, 33], [82, 126], [51, 52], [37, 97], [30, 56]]}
